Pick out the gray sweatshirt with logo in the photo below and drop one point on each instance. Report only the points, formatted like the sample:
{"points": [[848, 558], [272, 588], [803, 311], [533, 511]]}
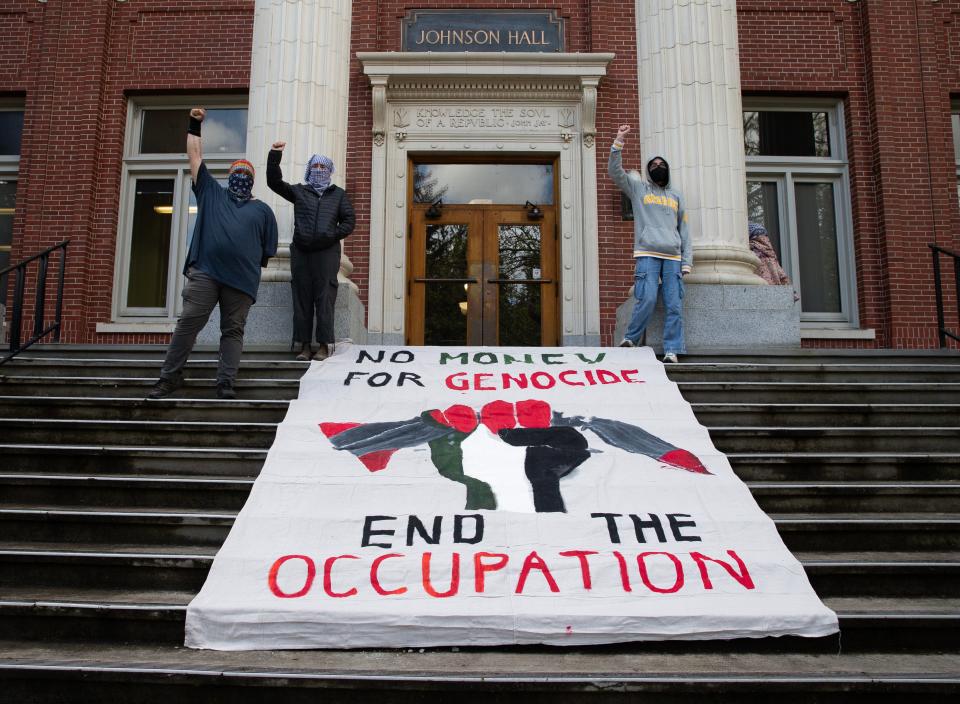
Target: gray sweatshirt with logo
{"points": [[659, 221]]}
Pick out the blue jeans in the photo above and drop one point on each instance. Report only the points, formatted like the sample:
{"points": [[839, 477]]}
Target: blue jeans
{"points": [[650, 277]]}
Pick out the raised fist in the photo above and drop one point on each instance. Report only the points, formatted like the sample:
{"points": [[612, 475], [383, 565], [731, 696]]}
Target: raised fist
{"points": [[622, 131], [278, 146], [198, 114]]}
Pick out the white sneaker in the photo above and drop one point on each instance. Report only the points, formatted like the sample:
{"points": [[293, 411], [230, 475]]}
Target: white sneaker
{"points": [[669, 358], [626, 343]]}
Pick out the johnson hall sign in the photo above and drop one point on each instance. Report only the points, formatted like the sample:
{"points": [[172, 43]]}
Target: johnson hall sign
{"points": [[482, 30], [482, 496]]}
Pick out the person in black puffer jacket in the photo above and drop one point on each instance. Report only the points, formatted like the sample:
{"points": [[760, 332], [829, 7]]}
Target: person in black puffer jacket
{"points": [[322, 216]]}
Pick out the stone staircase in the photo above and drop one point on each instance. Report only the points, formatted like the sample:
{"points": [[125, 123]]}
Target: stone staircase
{"points": [[112, 508]]}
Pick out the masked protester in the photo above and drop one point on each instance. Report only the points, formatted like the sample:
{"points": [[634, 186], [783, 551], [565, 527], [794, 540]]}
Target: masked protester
{"points": [[322, 216], [233, 238], [661, 247]]}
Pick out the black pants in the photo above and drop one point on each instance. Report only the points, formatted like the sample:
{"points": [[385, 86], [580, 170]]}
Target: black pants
{"points": [[314, 282]]}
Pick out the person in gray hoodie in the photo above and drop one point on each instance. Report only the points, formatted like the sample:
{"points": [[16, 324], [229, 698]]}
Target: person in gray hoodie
{"points": [[661, 247]]}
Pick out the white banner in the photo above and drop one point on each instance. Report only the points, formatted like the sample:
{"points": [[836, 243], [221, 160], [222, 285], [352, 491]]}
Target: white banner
{"points": [[437, 496]]}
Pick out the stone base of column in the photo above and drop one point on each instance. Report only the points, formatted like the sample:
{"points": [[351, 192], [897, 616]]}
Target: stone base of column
{"points": [[726, 316], [724, 264], [271, 318]]}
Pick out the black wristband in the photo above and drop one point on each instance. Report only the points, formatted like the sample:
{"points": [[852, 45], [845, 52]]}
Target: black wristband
{"points": [[194, 127]]}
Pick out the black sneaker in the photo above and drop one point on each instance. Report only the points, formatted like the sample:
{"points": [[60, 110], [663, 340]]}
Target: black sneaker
{"points": [[225, 391], [162, 389], [626, 343]]}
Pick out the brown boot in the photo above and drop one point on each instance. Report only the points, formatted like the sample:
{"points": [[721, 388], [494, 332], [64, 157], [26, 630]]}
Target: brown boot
{"points": [[322, 352], [305, 353]]}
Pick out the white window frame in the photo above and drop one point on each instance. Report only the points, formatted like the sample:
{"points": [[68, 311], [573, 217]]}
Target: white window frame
{"points": [[161, 166], [786, 172], [955, 132]]}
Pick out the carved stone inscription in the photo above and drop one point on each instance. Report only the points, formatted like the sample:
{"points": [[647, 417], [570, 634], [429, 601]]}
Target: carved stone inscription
{"points": [[484, 118]]}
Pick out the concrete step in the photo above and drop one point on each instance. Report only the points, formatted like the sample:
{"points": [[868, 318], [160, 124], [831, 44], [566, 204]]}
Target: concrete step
{"points": [[145, 432], [853, 497], [868, 625], [131, 459], [260, 435], [68, 491], [846, 392], [886, 415], [160, 674], [198, 492], [120, 568], [247, 388], [240, 463], [814, 372], [107, 526], [854, 467], [209, 410], [835, 439], [196, 368]]}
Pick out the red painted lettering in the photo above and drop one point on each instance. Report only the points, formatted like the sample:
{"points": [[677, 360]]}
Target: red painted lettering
{"points": [[307, 583]]}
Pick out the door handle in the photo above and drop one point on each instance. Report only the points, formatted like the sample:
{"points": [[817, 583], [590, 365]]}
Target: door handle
{"points": [[519, 281], [445, 281]]}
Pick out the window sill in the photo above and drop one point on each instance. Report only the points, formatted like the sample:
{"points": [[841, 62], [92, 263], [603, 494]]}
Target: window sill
{"points": [[116, 328], [837, 334]]}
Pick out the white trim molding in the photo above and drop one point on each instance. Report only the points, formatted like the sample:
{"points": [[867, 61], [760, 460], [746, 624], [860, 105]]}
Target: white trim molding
{"points": [[489, 103]]}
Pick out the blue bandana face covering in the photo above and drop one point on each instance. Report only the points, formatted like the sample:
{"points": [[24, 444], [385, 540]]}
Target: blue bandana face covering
{"points": [[239, 184], [319, 178]]}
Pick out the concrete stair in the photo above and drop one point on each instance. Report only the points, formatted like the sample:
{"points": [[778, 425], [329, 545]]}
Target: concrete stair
{"points": [[112, 508]]}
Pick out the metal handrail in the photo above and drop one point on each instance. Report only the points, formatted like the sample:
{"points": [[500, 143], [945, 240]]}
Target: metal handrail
{"points": [[941, 324], [39, 313]]}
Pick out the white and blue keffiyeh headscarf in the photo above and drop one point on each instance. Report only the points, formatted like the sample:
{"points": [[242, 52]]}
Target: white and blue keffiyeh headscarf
{"points": [[318, 178]]}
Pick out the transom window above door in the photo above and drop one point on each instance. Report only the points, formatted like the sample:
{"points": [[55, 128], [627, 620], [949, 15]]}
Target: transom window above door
{"points": [[483, 183]]}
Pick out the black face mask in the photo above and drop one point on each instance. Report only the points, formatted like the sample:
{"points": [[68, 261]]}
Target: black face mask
{"points": [[659, 175]]}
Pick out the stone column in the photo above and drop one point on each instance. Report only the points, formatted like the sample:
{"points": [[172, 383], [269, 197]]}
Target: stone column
{"points": [[691, 114], [299, 83]]}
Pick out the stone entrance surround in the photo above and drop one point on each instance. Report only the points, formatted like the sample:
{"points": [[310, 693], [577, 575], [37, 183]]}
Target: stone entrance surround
{"points": [[492, 103]]}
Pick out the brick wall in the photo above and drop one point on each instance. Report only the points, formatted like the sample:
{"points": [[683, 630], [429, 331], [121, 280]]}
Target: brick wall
{"points": [[894, 65], [81, 62]]}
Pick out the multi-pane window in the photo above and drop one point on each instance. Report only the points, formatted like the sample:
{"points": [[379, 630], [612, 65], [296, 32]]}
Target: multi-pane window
{"points": [[955, 121], [158, 210], [11, 132], [797, 188]]}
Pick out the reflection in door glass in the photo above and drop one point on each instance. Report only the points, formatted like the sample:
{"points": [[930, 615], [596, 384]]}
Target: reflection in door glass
{"points": [[519, 313], [817, 245], [446, 303]]}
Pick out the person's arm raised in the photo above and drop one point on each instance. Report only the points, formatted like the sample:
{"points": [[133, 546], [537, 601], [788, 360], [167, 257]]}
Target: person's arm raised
{"points": [[194, 149]]}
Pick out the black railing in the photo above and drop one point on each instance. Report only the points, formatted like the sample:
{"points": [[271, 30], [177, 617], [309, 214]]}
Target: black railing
{"points": [[39, 314], [941, 325]]}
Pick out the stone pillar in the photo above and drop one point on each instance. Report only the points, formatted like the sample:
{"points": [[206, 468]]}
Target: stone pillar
{"points": [[691, 114], [299, 83]]}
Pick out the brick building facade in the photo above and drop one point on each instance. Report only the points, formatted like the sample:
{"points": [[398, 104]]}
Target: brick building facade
{"points": [[885, 72]]}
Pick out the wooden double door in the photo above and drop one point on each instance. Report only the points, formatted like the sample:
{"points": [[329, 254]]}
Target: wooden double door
{"points": [[482, 275]]}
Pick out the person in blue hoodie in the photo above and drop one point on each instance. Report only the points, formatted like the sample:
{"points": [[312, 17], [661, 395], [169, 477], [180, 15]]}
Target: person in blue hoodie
{"points": [[661, 247]]}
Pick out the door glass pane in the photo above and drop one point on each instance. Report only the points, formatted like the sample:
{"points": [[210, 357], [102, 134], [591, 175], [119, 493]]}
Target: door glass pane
{"points": [[519, 312], [150, 243], [483, 183], [784, 133], [763, 208], [817, 245], [165, 131], [446, 303]]}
